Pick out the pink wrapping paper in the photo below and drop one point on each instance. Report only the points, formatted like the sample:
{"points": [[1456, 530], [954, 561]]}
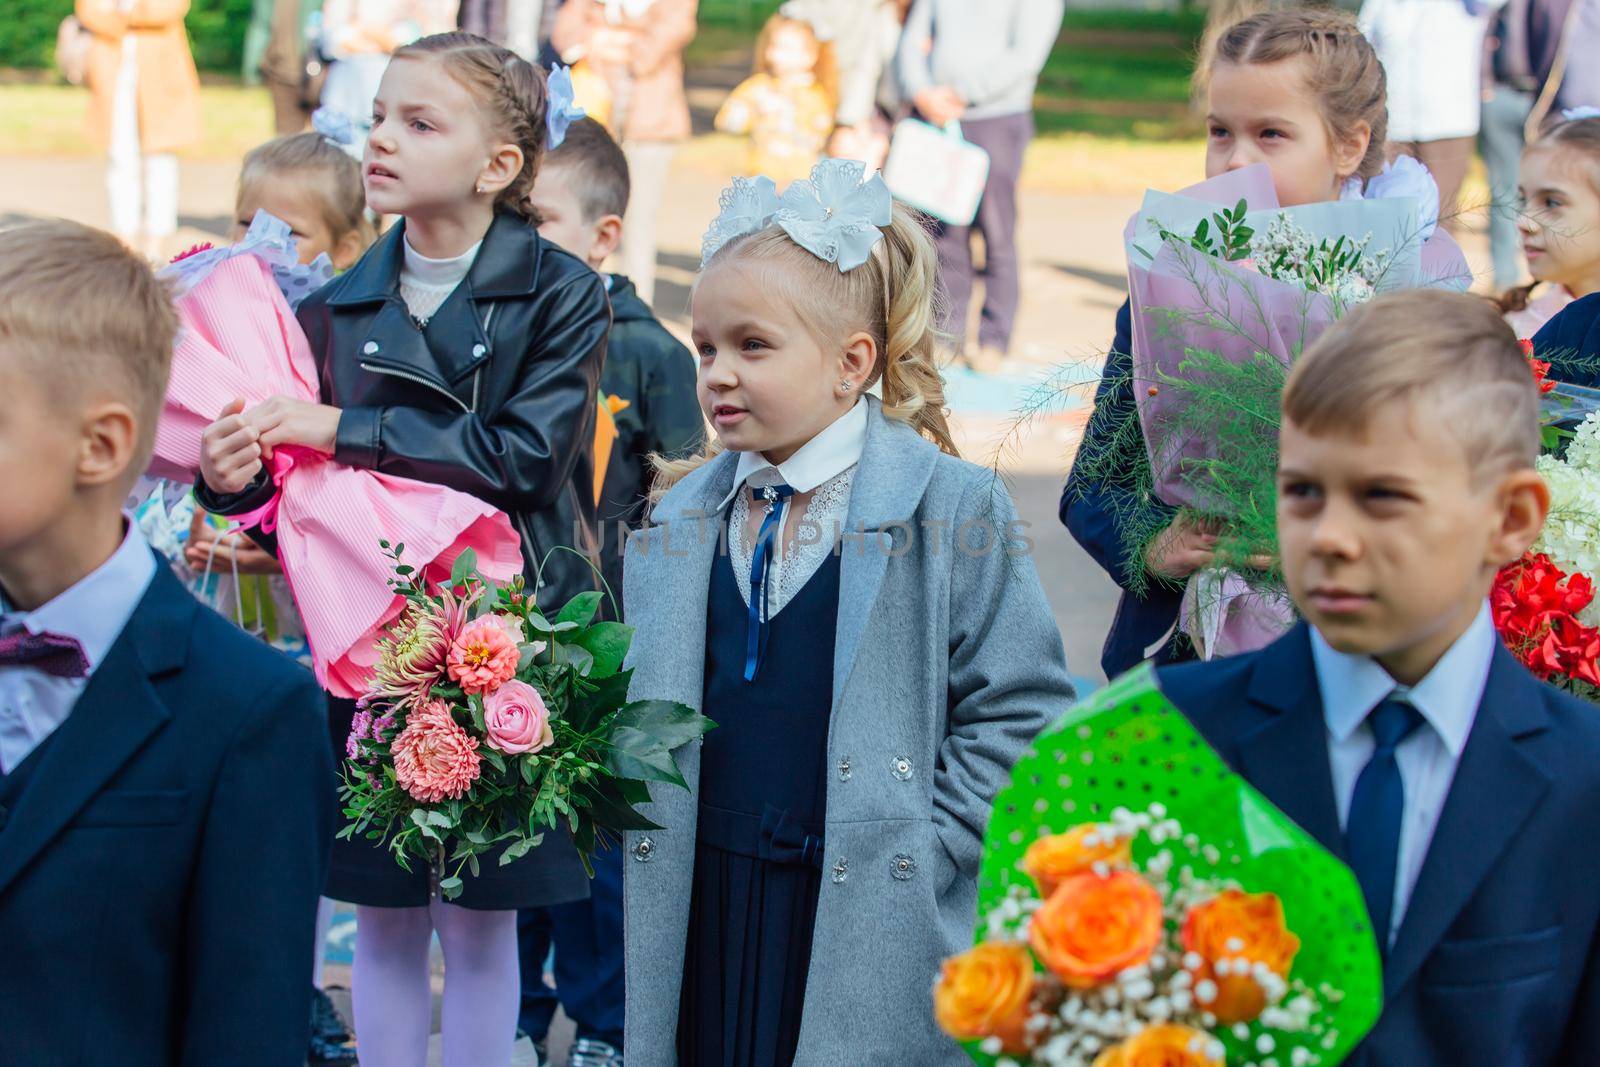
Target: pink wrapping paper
{"points": [[240, 340]]}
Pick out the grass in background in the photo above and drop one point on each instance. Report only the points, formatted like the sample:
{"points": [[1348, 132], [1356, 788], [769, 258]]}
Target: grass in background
{"points": [[1112, 108]]}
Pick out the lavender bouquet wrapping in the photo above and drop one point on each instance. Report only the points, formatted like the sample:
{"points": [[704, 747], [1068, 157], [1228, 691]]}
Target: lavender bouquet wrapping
{"points": [[1227, 288]]}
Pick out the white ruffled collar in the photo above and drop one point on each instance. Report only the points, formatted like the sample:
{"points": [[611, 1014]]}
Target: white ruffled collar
{"points": [[1405, 177]]}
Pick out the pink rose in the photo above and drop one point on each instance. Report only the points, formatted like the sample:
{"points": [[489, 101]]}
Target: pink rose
{"points": [[516, 719], [434, 758], [484, 655]]}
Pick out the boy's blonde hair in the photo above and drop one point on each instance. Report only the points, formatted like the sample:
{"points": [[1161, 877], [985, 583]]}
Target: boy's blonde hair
{"points": [[893, 296], [327, 170], [86, 317], [1449, 355], [1342, 70]]}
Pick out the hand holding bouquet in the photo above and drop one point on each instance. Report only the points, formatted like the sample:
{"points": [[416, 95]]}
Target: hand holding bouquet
{"points": [[487, 723]]}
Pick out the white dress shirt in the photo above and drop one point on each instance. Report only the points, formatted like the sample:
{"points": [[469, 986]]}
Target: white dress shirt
{"points": [[825, 466], [1448, 699], [94, 611]]}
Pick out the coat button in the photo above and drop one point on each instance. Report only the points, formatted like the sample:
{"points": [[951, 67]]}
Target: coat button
{"points": [[844, 769], [478, 351], [904, 868], [901, 768], [644, 850], [841, 870], [370, 348]]}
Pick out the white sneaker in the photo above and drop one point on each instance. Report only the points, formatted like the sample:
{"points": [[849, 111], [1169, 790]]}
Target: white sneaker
{"points": [[587, 1052]]}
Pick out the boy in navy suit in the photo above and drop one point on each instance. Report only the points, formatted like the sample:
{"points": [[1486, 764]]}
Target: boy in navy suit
{"points": [[1393, 725], [166, 788]]}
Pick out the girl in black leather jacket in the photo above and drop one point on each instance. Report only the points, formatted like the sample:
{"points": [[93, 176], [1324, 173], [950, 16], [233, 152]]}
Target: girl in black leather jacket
{"points": [[466, 351]]}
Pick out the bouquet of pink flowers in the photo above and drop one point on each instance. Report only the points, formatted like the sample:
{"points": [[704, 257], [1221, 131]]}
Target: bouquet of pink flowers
{"points": [[487, 723], [239, 338]]}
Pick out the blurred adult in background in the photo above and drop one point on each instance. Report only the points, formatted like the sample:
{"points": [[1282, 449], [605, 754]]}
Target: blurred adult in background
{"points": [[634, 50], [977, 64], [1540, 62], [1432, 51], [144, 107], [513, 24], [280, 52], [358, 37], [864, 35]]}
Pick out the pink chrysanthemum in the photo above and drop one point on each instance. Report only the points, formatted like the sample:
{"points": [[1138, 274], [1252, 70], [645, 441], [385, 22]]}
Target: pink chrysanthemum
{"points": [[411, 656], [484, 655], [434, 758]]}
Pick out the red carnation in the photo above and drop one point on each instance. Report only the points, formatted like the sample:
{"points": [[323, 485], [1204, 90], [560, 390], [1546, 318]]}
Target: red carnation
{"points": [[1541, 368], [1535, 606]]}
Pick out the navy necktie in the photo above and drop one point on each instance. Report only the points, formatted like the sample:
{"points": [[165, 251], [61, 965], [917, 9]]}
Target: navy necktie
{"points": [[755, 647], [1372, 831]]}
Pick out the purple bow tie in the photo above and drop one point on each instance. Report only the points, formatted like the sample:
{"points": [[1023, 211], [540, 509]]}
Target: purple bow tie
{"points": [[54, 654]]}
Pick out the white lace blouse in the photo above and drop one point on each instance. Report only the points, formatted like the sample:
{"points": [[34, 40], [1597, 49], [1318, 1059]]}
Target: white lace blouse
{"points": [[825, 467]]}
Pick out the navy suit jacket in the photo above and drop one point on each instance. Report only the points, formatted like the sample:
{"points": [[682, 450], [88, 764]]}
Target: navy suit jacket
{"points": [[1571, 342], [1496, 962], [159, 873], [1092, 511]]}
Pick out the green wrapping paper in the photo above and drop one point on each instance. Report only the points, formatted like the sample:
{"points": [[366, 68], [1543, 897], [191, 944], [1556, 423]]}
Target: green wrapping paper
{"points": [[1128, 747]]}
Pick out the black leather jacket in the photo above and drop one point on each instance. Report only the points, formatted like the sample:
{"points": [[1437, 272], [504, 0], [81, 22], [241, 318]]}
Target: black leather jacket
{"points": [[494, 397]]}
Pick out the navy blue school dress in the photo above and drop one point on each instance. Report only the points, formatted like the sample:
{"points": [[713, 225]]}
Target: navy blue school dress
{"points": [[758, 857]]}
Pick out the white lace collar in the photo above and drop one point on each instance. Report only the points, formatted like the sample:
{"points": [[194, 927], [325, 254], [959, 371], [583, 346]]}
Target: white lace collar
{"points": [[833, 451]]}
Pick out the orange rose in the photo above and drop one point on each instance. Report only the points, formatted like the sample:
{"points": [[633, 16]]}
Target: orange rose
{"points": [[1052, 858], [1235, 925], [1163, 1045], [984, 992], [1094, 927]]}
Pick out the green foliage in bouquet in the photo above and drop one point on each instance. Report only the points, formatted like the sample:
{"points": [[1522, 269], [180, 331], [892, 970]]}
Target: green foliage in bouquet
{"points": [[1128, 749], [489, 723]]}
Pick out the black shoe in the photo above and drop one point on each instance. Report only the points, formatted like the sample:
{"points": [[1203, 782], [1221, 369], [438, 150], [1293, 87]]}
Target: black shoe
{"points": [[325, 1020]]}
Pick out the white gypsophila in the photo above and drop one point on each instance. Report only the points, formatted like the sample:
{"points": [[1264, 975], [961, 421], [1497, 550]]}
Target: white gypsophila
{"points": [[1085, 1023], [1571, 535], [1290, 253]]}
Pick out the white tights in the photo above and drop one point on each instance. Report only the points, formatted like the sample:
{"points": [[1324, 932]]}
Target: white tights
{"points": [[393, 994]]}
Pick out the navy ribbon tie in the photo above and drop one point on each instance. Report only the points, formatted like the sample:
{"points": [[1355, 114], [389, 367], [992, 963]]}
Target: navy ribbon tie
{"points": [[1372, 831], [784, 840], [54, 654], [755, 648]]}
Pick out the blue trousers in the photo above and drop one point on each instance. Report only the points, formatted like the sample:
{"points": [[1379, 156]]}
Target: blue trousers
{"points": [[587, 937], [1500, 141]]}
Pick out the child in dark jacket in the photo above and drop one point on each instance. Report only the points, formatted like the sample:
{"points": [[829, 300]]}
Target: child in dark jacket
{"points": [[649, 376]]}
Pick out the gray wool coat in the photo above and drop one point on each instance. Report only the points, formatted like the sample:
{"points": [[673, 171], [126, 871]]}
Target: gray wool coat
{"points": [[947, 663]]}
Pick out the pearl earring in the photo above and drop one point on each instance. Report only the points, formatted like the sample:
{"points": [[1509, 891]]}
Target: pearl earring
{"points": [[480, 188]]}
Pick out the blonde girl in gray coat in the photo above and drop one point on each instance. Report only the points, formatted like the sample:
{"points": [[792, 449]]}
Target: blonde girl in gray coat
{"points": [[856, 608]]}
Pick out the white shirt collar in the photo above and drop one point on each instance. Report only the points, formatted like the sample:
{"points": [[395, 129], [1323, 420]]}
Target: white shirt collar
{"points": [[1448, 697], [832, 452], [96, 610], [438, 273]]}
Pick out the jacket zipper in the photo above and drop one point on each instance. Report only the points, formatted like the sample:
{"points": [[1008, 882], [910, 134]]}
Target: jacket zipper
{"points": [[419, 380]]}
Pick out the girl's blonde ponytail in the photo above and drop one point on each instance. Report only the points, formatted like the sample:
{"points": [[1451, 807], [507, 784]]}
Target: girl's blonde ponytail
{"points": [[913, 389]]}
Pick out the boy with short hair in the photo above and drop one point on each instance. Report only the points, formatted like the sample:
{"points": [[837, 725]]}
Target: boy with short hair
{"points": [[166, 789], [649, 379], [1392, 724], [649, 384]]}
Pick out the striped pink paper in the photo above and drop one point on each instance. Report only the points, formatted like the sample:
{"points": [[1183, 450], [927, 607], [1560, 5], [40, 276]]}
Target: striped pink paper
{"points": [[240, 340]]}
